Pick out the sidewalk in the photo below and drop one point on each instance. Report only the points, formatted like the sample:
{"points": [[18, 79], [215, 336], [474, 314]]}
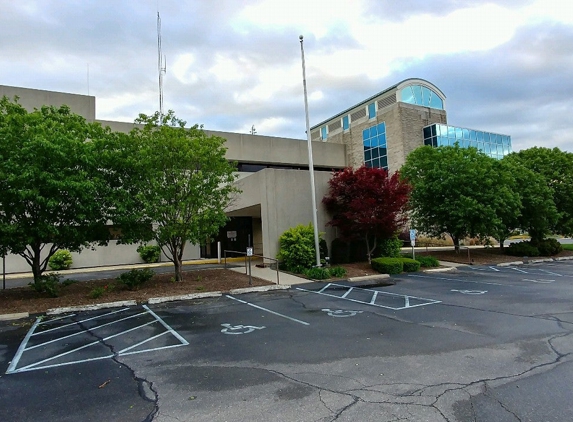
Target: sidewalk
{"points": [[269, 274]]}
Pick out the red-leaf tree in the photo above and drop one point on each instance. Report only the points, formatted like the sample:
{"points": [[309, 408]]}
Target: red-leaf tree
{"points": [[366, 203]]}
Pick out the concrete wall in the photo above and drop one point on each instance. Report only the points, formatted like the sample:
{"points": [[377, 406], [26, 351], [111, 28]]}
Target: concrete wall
{"points": [[285, 201], [113, 254], [404, 132], [84, 105]]}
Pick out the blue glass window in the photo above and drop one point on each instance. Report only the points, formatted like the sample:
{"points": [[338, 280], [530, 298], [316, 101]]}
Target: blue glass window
{"points": [[371, 111], [492, 144], [421, 95], [323, 134], [374, 141], [345, 123]]}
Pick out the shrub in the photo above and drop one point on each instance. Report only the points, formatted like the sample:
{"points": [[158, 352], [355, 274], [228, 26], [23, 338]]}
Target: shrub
{"points": [[149, 253], [97, 292], [410, 265], [549, 247], [317, 273], [390, 247], [296, 248], [522, 249], [60, 260], [337, 272], [47, 283], [428, 261], [567, 247], [135, 278], [387, 265]]}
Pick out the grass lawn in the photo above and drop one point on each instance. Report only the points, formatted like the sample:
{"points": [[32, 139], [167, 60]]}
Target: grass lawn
{"points": [[568, 247]]}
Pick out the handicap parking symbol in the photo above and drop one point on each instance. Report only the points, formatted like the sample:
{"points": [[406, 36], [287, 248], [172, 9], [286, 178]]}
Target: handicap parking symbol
{"points": [[341, 313], [470, 292], [239, 329]]}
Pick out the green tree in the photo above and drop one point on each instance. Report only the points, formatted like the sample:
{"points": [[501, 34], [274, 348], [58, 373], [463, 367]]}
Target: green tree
{"points": [[538, 214], [458, 191], [183, 182], [556, 167], [50, 182]]}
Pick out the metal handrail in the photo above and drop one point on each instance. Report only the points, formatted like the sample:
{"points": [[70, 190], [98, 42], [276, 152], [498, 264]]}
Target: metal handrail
{"points": [[251, 256]]}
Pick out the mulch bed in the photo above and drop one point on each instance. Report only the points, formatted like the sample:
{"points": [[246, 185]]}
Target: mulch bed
{"points": [[24, 299], [479, 256]]}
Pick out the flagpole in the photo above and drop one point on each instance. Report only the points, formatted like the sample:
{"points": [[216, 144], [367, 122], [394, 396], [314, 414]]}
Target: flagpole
{"points": [[310, 162]]}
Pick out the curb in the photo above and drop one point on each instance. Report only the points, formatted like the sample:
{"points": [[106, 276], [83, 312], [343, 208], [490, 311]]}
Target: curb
{"points": [[155, 300], [10, 317], [368, 277], [259, 289], [534, 261], [56, 311], [440, 270]]}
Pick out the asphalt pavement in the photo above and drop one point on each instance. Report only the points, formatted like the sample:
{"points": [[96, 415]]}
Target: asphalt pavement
{"points": [[481, 343]]}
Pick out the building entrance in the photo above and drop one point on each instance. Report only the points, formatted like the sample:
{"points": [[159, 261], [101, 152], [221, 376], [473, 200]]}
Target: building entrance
{"points": [[234, 236]]}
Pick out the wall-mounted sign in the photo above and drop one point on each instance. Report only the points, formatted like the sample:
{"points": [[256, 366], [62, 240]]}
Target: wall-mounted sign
{"points": [[231, 234]]}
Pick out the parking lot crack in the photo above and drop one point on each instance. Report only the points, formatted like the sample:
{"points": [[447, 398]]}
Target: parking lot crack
{"points": [[142, 383], [489, 394]]}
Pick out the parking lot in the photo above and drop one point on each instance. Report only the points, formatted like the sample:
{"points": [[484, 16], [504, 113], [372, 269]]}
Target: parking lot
{"points": [[480, 343]]}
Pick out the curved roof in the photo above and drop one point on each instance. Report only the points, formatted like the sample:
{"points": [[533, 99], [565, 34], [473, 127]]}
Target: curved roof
{"points": [[397, 87]]}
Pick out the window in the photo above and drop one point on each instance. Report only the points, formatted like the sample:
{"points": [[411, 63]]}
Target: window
{"points": [[371, 110], [345, 123], [421, 95], [492, 144], [323, 133], [375, 149]]}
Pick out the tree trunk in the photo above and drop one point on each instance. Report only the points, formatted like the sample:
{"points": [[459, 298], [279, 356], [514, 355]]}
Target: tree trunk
{"points": [[501, 241], [178, 267], [456, 241]]}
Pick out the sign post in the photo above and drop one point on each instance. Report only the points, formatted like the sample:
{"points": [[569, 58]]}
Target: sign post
{"points": [[250, 255], [413, 242]]}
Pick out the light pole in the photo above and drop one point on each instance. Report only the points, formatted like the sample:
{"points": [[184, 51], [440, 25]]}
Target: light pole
{"points": [[310, 163]]}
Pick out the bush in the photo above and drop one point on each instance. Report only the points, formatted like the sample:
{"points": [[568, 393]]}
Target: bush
{"points": [[522, 249], [428, 261], [410, 265], [296, 249], [388, 265], [390, 247], [317, 273], [549, 247], [567, 247], [149, 253], [135, 278], [97, 292], [60, 260], [337, 272], [47, 283]]}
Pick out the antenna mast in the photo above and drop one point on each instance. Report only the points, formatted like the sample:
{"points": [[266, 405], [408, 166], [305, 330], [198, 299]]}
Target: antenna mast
{"points": [[161, 67]]}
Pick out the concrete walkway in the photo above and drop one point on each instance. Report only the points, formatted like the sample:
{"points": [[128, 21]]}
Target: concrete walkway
{"points": [[269, 274]]}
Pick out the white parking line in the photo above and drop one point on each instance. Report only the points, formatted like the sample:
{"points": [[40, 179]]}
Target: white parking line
{"points": [[268, 310], [75, 323], [549, 272], [462, 281], [13, 368], [376, 294], [32, 365], [82, 332], [517, 269]]}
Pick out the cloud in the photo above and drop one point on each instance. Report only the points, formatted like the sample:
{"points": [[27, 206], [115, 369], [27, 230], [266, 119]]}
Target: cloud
{"points": [[501, 63]]}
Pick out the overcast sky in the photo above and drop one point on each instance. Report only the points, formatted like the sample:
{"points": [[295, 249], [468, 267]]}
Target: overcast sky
{"points": [[505, 66]]}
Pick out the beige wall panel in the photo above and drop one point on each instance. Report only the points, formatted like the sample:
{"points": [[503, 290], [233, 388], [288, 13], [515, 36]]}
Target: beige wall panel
{"points": [[84, 105]]}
